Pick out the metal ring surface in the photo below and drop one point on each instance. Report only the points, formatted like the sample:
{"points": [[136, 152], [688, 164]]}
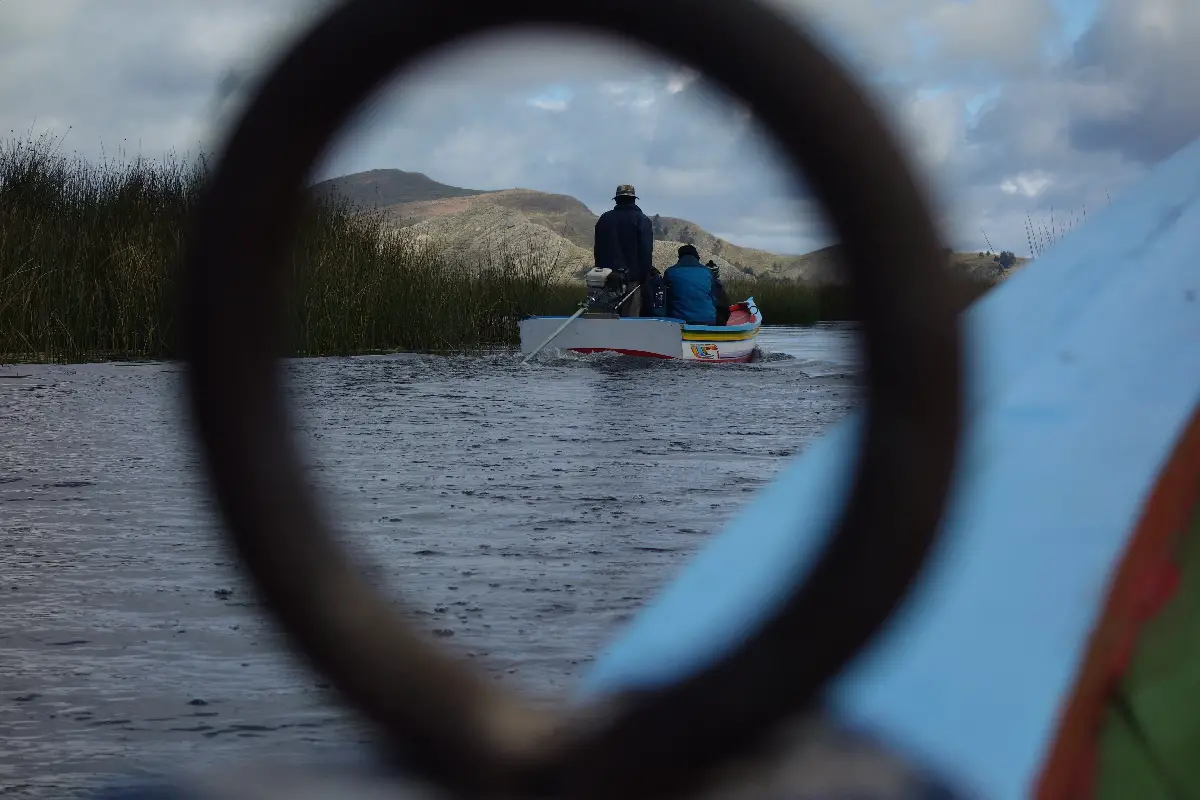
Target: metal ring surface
{"points": [[450, 726]]}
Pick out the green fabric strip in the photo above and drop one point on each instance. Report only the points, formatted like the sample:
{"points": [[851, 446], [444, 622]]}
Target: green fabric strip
{"points": [[1149, 745]]}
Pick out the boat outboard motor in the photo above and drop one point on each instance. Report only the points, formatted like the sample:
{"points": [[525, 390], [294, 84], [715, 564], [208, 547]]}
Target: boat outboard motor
{"points": [[605, 288], [658, 293]]}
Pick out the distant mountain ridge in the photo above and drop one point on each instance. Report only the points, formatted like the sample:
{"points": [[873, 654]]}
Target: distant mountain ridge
{"points": [[389, 187], [558, 229]]}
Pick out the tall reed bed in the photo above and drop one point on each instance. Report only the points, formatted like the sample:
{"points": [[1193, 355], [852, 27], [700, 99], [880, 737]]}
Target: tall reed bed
{"points": [[785, 302], [89, 256], [790, 303], [360, 288], [86, 251]]}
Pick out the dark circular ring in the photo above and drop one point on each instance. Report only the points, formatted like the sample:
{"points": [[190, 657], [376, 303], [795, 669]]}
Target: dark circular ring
{"points": [[449, 725]]}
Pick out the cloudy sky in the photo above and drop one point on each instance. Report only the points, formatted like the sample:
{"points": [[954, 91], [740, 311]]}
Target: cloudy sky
{"points": [[1011, 107]]}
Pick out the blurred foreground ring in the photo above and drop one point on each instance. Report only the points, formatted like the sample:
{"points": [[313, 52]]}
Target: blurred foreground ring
{"points": [[446, 724]]}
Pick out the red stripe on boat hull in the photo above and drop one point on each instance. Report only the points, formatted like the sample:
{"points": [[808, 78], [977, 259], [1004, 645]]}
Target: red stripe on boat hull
{"points": [[645, 354]]}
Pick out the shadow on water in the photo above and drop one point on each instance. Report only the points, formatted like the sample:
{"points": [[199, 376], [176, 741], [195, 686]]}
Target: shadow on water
{"points": [[525, 512]]}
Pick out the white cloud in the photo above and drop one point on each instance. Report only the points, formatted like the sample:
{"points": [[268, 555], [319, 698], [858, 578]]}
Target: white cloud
{"points": [[678, 81], [1027, 184]]}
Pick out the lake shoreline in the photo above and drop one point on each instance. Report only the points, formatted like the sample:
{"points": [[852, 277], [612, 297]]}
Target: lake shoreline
{"points": [[130, 359]]}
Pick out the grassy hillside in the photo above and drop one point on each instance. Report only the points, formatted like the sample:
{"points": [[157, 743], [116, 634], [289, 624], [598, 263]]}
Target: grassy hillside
{"points": [[756, 263], [472, 222]]}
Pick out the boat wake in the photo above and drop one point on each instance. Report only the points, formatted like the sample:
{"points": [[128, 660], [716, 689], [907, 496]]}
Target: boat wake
{"points": [[609, 359], [769, 357]]}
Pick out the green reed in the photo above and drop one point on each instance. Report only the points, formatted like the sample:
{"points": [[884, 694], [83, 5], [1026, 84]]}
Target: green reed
{"points": [[89, 256], [358, 289], [784, 302], [85, 251], [790, 303]]}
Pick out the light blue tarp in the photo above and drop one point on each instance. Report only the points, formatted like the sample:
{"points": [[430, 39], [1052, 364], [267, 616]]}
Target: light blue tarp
{"points": [[1084, 369]]}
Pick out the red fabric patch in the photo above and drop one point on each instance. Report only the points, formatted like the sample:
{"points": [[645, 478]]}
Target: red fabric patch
{"points": [[1155, 586]]}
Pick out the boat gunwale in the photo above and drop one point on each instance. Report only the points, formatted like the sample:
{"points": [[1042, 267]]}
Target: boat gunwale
{"points": [[686, 328]]}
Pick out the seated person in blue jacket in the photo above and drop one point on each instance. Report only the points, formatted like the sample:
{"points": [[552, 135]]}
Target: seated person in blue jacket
{"points": [[691, 291]]}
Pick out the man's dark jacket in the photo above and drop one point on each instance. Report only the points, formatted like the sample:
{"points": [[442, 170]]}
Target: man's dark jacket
{"points": [[625, 240]]}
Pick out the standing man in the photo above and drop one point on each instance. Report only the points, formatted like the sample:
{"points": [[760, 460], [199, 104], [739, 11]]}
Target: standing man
{"points": [[625, 241]]}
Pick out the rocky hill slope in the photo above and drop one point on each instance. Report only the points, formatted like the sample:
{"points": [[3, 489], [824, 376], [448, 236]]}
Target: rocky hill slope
{"points": [[529, 227]]}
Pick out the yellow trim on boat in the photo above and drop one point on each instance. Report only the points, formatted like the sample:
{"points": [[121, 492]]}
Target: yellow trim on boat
{"points": [[714, 336]]}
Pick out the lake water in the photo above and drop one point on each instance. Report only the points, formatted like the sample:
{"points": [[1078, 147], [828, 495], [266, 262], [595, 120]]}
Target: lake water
{"points": [[525, 513]]}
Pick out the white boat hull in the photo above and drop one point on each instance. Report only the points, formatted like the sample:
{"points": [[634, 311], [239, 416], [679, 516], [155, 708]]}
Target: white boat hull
{"points": [[649, 337]]}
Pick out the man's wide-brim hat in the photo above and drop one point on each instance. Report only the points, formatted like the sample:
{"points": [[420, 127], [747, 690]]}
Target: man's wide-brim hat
{"points": [[625, 190]]}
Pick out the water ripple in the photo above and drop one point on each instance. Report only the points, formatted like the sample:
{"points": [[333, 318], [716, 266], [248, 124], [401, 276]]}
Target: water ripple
{"points": [[523, 512]]}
